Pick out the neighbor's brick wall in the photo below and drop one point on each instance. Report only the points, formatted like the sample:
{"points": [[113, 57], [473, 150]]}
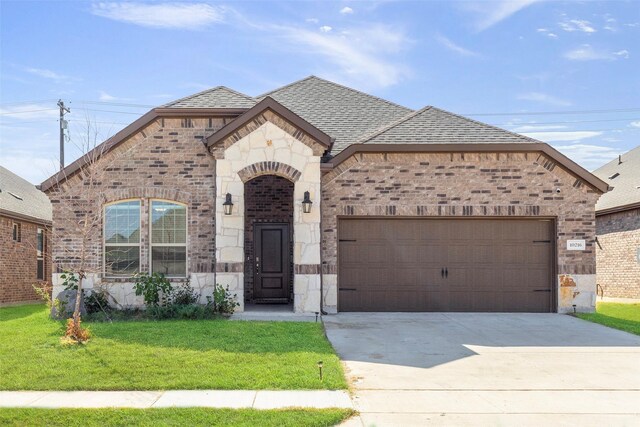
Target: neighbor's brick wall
{"points": [[618, 267], [268, 198], [18, 262], [461, 184], [165, 160]]}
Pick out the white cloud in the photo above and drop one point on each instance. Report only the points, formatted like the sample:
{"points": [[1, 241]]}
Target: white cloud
{"points": [[161, 15], [104, 96], [360, 54], [47, 74], [346, 10], [312, 20], [325, 28], [491, 13], [29, 111], [587, 52], [635, 124], [588, 156], [571, 25], [563, 136], [610, 24], [547, 33], [544, 98], [454, 47]]}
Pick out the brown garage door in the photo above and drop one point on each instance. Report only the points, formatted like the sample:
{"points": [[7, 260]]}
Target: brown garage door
{"points": [[445, 265]]}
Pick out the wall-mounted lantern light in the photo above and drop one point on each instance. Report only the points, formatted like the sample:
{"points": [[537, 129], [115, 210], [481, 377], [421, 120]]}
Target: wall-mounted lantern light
{"points": [[306, 202], [228, 205]]}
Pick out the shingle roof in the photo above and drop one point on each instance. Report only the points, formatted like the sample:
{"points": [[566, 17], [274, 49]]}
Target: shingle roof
{"points": [[18, 196], [432, 125], [217, 97], [341, 112], [625, 185]]}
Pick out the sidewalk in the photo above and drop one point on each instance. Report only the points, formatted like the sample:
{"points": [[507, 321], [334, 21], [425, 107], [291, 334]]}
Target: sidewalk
{"points": [[261, 399]]}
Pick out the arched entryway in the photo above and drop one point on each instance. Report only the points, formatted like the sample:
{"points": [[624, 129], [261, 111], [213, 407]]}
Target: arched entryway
{"points": [[268, 240]]}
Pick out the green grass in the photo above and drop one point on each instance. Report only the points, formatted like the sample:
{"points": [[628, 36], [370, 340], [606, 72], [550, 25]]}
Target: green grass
{"points": [[625, 317], [148, 355], [172, 417]]}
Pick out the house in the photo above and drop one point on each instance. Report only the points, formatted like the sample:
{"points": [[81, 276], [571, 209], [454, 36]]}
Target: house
{"points": [[618, 228], [330, 199], [25, 224]]}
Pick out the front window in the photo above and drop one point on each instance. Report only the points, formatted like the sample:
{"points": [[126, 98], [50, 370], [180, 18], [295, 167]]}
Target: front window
{"points": [[122, 238], [168, 238], [40, 254]]}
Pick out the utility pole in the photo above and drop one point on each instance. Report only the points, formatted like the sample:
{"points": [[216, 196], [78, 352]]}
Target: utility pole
{"points": [[63, 126]]}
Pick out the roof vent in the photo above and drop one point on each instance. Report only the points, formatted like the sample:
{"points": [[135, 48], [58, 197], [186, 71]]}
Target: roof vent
{"points": [[15, 195], [615, 175]]}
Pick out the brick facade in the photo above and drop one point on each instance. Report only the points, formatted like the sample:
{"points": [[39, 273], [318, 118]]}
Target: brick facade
{"points": [[269, 199], [617, 254], [18, 261]]}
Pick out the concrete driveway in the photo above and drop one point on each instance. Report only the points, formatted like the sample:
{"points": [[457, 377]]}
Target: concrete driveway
{"points": [[487, 369]]}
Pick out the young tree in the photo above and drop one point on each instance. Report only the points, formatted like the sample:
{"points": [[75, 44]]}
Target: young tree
{"points": [[77, 199]]}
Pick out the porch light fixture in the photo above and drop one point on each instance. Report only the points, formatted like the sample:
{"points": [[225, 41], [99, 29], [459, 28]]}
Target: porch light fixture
{"points": [[228, 204], [306, 202]]}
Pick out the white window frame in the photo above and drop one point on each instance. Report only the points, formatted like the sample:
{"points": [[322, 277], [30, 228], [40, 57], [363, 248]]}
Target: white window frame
{"points": [[179, 245], [104, 233], [40, 254]]}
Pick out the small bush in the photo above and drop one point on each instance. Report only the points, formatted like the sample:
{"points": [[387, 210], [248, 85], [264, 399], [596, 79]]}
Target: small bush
{"points": [[96, 301], [155, 289], [184, 295], [223, 302], [43, 290]]}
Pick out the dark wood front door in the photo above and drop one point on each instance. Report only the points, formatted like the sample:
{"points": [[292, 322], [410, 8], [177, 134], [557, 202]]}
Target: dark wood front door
{"points": [[272, 262]]}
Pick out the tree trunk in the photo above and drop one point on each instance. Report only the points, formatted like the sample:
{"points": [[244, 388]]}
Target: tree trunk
{"points": [[76, 310]]}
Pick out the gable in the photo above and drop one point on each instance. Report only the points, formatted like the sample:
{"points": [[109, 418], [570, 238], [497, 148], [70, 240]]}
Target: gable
{"points": [[265, 111]]}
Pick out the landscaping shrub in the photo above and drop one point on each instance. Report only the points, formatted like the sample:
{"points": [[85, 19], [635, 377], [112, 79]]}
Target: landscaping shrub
{"points": [[184, 295], [155, 289], [223, 302], [96, 301]]}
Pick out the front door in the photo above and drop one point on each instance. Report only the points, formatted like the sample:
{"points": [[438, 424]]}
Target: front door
{"points": [[272, 263]]}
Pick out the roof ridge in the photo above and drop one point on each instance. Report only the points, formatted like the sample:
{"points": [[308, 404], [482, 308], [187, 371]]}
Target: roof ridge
{"points": [[286, 86], [338, 85], [168, 104], [391, 125], [487, 125], [614, 160]]}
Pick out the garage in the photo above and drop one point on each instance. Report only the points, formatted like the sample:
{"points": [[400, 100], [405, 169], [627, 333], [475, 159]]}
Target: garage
{"points": [[475, 265]]}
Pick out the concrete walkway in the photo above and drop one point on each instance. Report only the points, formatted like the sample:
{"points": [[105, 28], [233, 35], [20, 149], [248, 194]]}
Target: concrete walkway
{"points": [[262, 399], [487, 369]]}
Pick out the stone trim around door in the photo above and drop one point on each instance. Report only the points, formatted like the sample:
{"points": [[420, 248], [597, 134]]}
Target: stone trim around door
{"points": [[269, 168]]}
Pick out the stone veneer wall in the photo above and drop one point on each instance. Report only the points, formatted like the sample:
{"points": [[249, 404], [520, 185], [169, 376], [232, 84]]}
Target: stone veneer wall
{"points": [[165, 160], [466, 184], [617, 254], [18, 261], [269, 145], [269, 199]]}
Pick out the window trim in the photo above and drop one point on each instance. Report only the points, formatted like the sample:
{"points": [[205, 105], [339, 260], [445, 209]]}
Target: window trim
{"points": [[177, 245], [104, 233], [16, 232], [40, 253]]}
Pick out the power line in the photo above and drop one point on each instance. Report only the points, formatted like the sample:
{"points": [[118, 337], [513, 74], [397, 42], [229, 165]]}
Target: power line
{"points": [[27, 102], [26, 111], [117, 104], [619, 110]]}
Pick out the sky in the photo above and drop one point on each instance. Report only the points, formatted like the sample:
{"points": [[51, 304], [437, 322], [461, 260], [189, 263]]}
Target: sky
{"points": [[567, 73]]}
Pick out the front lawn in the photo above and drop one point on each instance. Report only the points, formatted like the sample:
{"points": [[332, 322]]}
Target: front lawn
{"points": [[625, 317], [172, 417], [163, 355]]}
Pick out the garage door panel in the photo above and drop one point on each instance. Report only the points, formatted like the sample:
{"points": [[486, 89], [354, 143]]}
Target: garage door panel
{"points": [[492, 265]]}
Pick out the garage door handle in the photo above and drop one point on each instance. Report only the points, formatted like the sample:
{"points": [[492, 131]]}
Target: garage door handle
{"points": [[442, 273], [446, 272], [542, 290]]}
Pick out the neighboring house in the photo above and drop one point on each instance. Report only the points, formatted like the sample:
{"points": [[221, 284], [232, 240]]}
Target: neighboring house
{"points": [[331, 199], [25, 225], [618, 228]]}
